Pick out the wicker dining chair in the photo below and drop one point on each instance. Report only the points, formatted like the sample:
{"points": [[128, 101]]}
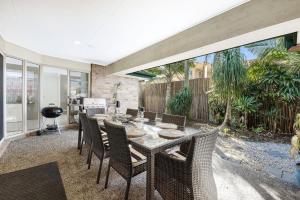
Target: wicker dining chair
{"points": [[92, 111], [190, 177], [86, 138], [100, 145], [125, 160], [132, 112], [175, 119], [150, 115]]}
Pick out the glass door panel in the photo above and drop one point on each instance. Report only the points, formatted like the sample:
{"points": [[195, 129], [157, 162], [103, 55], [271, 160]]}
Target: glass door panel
{"points": [[55, 90], [14, 96], [79, 85], [33, 107]]}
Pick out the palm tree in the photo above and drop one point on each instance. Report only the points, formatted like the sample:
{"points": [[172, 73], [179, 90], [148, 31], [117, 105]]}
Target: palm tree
{"points": [[262, 48], [187, 64], [229, 73]]}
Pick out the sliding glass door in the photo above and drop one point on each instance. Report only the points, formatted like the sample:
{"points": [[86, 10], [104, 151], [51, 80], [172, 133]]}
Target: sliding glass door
{"points": [[55, 90], [33, 97], [14, 96]]}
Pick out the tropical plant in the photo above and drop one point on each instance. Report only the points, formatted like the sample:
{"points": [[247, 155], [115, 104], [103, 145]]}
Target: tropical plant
{"points": [[295, 149], [229, 74], [181, 103], [262, 48], [246, 105], [169, 71], [217, 107], [258, 129]]}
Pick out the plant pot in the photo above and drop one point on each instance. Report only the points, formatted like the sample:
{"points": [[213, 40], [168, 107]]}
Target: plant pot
{"points": [[298, 173]]}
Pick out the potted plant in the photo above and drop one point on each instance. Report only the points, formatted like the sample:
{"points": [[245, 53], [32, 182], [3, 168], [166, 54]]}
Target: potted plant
{"points": [[295, 149]]}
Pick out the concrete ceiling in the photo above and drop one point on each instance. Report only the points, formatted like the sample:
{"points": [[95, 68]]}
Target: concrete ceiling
{"points": [[253, 21], [101, 31]]}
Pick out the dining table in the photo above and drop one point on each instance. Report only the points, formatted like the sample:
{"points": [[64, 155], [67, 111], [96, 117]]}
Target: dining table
{"points": [[150, 144]]}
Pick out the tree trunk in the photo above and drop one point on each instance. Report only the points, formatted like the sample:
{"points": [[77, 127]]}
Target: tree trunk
{"points": [[186, 74], [246, 120], [227, 120], [168, 96]]}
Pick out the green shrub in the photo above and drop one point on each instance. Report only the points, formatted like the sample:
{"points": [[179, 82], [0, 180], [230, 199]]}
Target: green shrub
{"points": [[181, 103]]}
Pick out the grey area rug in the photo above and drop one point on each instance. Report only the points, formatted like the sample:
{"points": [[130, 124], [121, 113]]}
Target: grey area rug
{"points": [[42, 182]]}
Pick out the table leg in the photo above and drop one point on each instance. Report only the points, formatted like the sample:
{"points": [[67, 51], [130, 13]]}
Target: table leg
{"points": [[79, 134], [150, 176]]}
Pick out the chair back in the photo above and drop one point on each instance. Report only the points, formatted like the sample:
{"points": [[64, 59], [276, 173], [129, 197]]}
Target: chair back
{"points": [[132, 112], [86, 128], [175, 119], [200, 156], [96, 135], [150, 115], [92, 111], [120, 157]]}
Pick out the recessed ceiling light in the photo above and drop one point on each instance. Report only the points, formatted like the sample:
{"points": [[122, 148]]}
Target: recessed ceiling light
{"points": [[77, 42]]}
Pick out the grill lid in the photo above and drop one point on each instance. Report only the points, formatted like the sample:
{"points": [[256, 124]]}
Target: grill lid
{"points": [[51, 111]]}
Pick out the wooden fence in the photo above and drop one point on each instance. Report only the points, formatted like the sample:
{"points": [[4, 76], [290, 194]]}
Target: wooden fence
{"points": [[282, 121], [153, 97]]}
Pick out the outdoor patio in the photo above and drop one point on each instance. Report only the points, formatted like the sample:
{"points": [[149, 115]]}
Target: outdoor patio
{"points": [[173, 100], [234, 181]]}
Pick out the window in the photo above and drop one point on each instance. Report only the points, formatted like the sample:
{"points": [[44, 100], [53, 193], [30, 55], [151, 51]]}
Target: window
{"points": [[14, 96]]}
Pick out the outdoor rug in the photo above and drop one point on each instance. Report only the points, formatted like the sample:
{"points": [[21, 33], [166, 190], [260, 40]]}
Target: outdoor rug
{"points": [[42, 182]]}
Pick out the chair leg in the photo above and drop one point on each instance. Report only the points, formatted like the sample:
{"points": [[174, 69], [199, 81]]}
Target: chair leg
{"points": [[127, 189], [107, 175], [99, 171], [81, 145], [90, 159]]}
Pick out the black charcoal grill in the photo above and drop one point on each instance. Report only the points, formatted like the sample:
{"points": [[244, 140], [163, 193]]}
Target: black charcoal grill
{"points": [[50, 112]]}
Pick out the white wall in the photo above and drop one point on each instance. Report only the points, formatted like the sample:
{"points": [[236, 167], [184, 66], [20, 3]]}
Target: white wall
{"points": [[13, 50]]}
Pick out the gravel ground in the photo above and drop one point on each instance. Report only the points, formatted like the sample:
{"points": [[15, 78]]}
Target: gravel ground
{"points": [[265, 157], [233, 181]]}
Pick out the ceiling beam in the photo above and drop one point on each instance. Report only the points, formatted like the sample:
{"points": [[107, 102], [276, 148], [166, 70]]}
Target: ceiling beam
{"points": [[249, 17]]}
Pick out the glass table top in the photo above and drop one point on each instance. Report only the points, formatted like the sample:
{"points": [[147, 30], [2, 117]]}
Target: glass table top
{"points": [[151, 139]]}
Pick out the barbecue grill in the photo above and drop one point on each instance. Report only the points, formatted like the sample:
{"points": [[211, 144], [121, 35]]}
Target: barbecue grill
{"points": [[50, 112]]}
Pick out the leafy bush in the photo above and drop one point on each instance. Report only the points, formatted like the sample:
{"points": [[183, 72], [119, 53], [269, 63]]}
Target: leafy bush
{"points": [[259, 129], [217, 107], [181, 103]]}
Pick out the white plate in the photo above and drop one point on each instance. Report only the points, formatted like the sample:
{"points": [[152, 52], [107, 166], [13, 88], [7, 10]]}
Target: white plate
{"points": [[166, 125], [141, 119], [133, 133], [170, 133]]}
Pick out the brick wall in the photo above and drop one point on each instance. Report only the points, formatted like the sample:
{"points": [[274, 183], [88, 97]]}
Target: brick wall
{"points": [[102, 87]]}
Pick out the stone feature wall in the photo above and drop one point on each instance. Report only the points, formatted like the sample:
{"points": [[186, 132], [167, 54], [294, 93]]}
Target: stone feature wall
{"points": [[102, 87]]}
